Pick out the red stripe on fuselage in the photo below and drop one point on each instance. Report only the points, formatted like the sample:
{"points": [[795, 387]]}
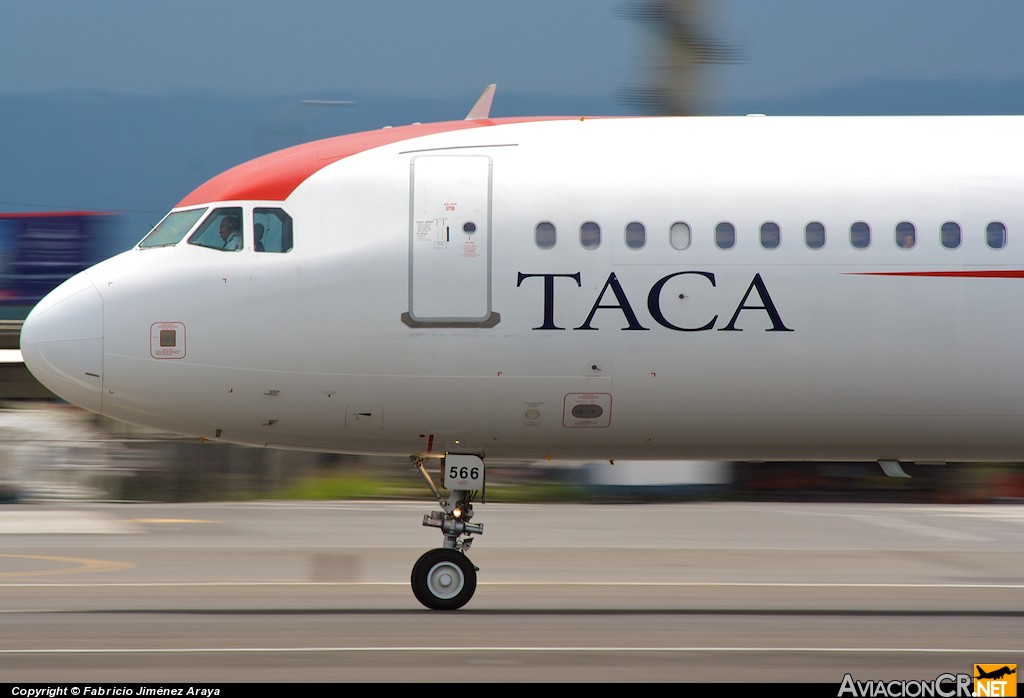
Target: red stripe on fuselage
{"points": [[976, 274], [275, 176]]}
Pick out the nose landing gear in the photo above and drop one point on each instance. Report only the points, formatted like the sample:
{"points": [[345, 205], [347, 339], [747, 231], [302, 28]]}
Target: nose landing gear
{"points": [[444, 579]]}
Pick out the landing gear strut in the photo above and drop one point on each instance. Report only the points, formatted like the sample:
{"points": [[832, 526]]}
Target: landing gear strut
{"points": [[444, 579]]}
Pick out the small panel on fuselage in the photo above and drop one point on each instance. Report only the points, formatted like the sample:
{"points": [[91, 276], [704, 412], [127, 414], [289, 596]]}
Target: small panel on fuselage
{"points": [[587, 410], [167, 340]]}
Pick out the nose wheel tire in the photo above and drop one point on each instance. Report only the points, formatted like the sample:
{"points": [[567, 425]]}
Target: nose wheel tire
{"points": [[443, 580]]}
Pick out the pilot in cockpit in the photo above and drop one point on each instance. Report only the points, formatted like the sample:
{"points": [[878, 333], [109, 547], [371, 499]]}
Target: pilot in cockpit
{"points": [[231, 233]]}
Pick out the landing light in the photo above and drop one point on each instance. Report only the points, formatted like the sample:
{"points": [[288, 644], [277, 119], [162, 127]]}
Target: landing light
{"points": [[457, 512]]}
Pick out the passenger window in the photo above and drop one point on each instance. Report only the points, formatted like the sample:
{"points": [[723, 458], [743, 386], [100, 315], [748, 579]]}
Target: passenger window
{"points": [[222, 230], [906, 235], [951, 236], [636, 235], [860, 235], [725, 235], [590, 235], [814, 235], [679, 235], [995, 235], [544, 235], [271, 230], [770, 235]]}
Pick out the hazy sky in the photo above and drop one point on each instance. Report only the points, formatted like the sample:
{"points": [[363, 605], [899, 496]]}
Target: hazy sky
{"points": [[454, 47], [414, 46]]}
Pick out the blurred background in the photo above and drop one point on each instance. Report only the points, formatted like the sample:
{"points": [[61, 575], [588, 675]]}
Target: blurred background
{"points": [[111, 111]]}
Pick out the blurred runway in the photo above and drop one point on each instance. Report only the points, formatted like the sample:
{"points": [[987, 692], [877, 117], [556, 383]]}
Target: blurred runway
{"points": [[701, 592]]}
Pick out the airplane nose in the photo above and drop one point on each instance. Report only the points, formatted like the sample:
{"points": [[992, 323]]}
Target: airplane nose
{"points": [[62, 342]]}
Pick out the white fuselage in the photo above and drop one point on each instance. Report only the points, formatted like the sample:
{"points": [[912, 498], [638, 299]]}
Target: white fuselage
{"points": [[390, 328]]}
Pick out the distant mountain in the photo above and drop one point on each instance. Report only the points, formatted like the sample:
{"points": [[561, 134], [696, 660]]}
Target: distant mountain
{"points": [[891, 97]]}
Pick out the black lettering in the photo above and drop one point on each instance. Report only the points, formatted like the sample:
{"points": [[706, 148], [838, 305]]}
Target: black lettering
{"points": [[623, 305], [768, 307], [549, 296], [654, 302]]}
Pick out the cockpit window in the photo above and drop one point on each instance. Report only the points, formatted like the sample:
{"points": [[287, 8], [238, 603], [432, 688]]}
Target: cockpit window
{"points": [[222, 230], [172, 228], [271, 230]]}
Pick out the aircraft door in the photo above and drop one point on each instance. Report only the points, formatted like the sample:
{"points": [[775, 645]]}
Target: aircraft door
{"points": [[450, 242]]}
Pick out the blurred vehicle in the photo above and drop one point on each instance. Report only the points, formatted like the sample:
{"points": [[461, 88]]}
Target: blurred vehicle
{"points": [[38, 251]]}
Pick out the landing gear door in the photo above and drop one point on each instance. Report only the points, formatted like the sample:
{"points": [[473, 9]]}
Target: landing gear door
{"points": [[450, 242]]}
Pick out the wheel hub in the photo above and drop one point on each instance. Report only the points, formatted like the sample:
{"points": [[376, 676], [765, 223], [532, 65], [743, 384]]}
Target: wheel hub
{"points": [[445, 580]]}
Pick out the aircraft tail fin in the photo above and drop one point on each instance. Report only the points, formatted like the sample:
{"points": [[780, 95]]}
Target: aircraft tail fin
{"points": [[482, 108]]}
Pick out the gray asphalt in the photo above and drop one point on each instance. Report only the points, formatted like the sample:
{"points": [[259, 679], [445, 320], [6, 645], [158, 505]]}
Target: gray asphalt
{"points": [[696, 592]]}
